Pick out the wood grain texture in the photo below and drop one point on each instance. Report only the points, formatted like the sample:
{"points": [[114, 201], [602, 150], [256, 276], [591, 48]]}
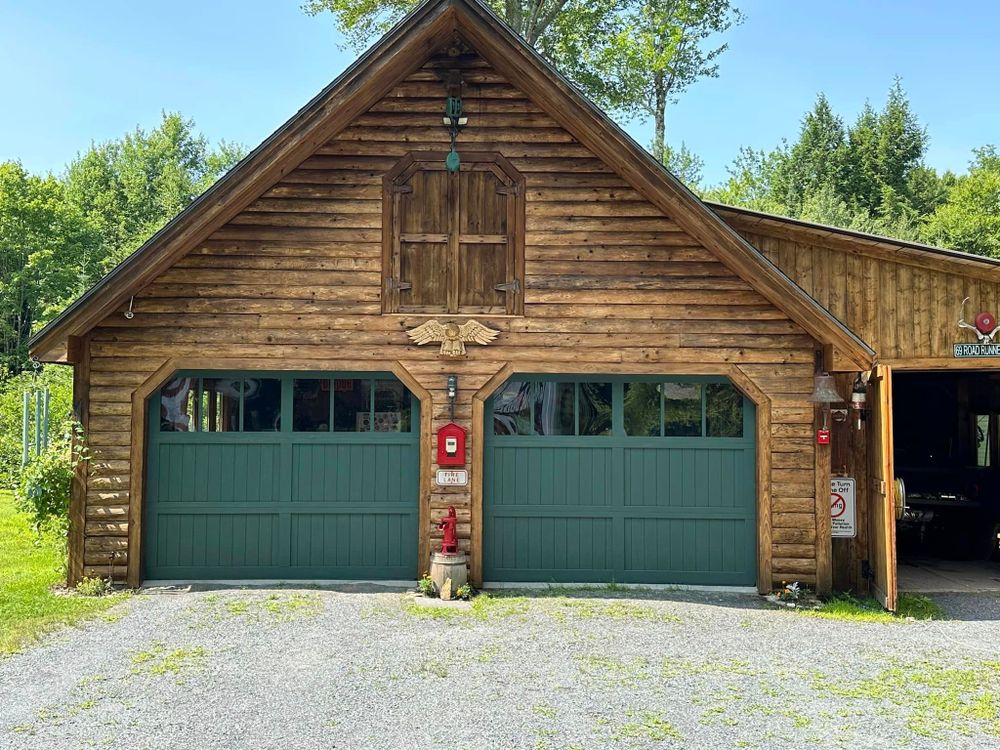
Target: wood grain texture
{"points": [[905, 305], [611, 284]]}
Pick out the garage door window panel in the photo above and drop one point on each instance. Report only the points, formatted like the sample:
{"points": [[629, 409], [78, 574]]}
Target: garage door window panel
{"points": [[311, 405], [287, 502], [261, 405], [667, 494], [545, 408]]}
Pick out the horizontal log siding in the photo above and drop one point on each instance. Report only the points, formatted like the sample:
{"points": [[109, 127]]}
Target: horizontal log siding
{"points": [[906, 311], [611, 284]]}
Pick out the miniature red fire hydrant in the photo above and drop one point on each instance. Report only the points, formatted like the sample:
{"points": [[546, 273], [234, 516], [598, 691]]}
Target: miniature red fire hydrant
{"points": [[449, 525]]}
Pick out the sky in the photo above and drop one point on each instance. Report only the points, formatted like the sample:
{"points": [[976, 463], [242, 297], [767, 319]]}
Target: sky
{"points": [[72, 73]]}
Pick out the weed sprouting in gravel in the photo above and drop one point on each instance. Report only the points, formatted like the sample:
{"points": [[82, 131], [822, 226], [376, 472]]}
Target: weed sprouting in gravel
{"points": [[431, 668], [648, 725], [613, 671], [158, 661], [277, 607], [933, 698], [543, 709]]}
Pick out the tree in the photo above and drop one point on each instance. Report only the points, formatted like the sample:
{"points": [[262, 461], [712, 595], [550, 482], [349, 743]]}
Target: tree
{"points": [[684, 164], [870, 177], [657, 54], [970, 219], [751, 181], [48, 252], [631, 56], [816, 160], [885, 149], [561, 30], [131, 187]]}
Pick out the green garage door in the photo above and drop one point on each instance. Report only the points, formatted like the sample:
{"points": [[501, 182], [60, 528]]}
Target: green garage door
{"points": [[633, 479], [278, 475]]}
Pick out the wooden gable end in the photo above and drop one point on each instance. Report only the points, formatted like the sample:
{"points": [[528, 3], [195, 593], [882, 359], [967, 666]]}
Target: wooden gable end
{"points": [[610, 285]]}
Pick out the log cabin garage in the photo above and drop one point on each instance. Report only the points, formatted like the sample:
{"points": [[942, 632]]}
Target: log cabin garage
{"points": [[449, 240]]}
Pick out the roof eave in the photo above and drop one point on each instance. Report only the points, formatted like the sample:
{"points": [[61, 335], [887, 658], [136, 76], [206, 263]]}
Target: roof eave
{"points": [[429, 21]]}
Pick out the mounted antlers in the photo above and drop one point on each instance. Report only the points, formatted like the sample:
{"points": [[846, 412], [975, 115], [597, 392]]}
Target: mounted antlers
{"points": [[983, 336]]}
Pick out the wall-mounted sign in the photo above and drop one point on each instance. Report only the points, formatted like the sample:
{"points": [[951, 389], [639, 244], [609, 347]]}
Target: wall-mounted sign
{"points": [[963, 351], [842, 507], [985, 327], [452, 477]]}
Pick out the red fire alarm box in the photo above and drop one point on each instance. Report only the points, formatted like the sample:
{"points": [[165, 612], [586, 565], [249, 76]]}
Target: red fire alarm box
{"points": [[451, 445], [822, 436]]}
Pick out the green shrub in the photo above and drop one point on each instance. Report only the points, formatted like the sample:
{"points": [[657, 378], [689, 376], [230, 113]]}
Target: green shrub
{"points": [[44, 487], [59, 380], [94, 586], [426, 586]]}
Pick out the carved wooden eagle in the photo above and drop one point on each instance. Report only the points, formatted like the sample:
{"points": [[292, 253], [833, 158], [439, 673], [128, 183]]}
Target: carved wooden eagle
{"points": [[453, 337]]}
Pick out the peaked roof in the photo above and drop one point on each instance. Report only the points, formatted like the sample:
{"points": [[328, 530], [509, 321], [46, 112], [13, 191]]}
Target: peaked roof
{"points": [[401, 51]]}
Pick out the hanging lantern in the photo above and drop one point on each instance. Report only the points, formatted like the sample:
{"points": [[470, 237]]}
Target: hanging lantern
{"points": [[454, 115], [454, 119]]}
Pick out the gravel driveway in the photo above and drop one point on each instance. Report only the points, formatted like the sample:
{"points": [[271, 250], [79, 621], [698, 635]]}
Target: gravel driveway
{"points": [[299, 668]]}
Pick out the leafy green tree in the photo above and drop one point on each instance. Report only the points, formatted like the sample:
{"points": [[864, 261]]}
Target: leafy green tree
{"points": [[48, 252], [631, 56], [817, 159], [59, 380], [658, 52], [561, 30], [751, 181], [684, 164], [885, 149], [129, 188], [870, 176], [970, 219]]}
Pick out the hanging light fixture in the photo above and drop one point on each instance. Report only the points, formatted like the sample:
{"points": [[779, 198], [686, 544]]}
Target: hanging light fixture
{"points": [[454, 119]]}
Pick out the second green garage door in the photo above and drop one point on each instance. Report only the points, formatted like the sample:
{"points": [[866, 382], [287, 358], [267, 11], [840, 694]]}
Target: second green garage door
{"points": [[270, 475], [648, 480]]}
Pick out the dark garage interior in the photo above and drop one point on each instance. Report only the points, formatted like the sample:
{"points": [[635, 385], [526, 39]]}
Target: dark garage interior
{"points": [[948, 505]]}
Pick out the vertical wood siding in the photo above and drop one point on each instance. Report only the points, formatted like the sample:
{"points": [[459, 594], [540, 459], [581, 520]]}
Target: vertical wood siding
{"points": [[611, 285], [906, 309]]}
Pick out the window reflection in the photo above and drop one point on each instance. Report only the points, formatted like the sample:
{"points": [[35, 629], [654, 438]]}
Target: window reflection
{"points": [[311, 405], [723, 410], [177, 405], [682, 409], [555, 409], [351, 405], [512, 408], [642, 409], [392, 407], [219, 405], [262, 405], [594, 404]]}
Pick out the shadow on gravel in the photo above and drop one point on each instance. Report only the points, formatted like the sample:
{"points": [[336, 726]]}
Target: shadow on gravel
{"points": [[726, 599], [360, 587], [978, 607]]}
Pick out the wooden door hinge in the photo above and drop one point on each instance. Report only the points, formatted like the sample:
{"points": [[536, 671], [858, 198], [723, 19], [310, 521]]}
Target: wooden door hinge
{"points": [[392, 283], [402, 188], [507, 190], [510, 286]]}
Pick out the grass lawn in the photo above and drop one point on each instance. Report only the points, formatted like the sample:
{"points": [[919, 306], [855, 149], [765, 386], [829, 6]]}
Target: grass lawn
{"points": [[909, 606], [29, 568]]}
